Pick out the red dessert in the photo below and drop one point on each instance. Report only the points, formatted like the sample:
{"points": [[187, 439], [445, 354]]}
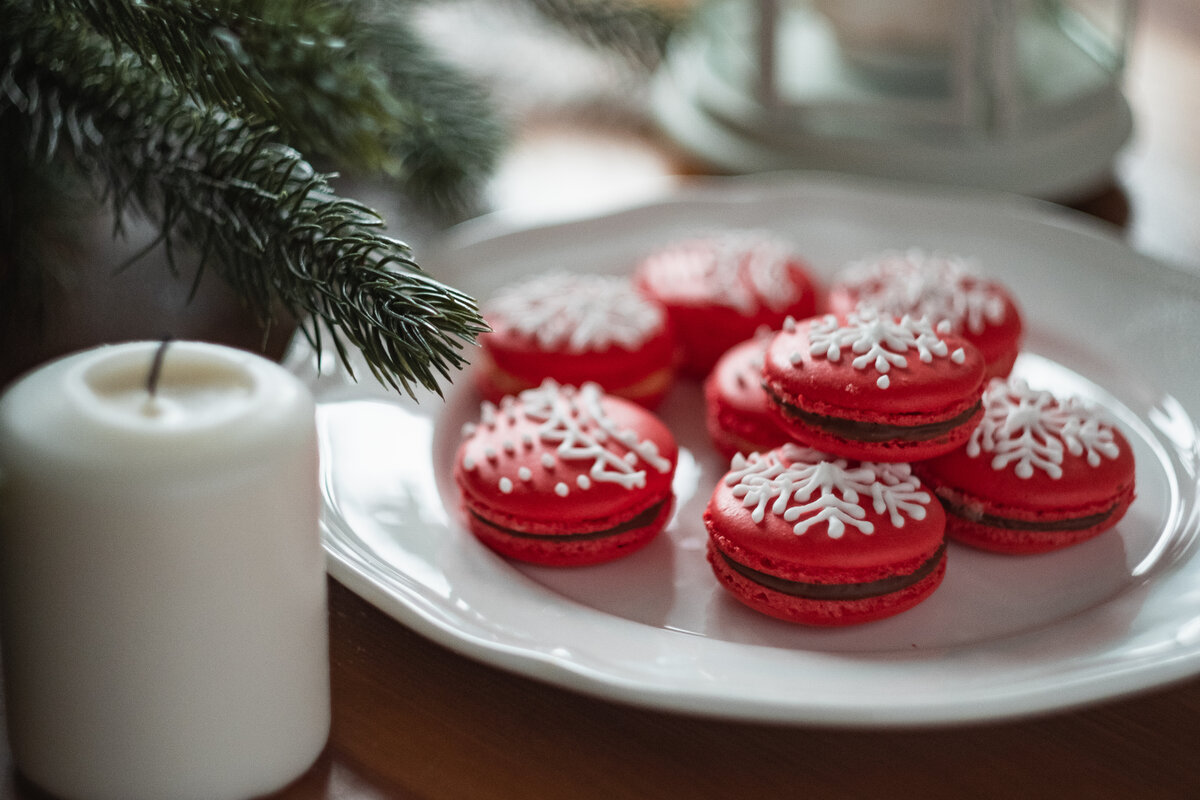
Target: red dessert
{"points": [[946, 289], [564, 476], [874, 388], [737, 414], [1038, 474], [808, 538], [576, 328], [719, 290]]}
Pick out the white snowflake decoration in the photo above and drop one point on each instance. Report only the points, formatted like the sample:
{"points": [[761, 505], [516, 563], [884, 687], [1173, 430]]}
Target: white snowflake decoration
{"points": [[940, 287], [578, 312], [576, 423], [1032, 429], [877, 341], [739, 269], [808, 488]]}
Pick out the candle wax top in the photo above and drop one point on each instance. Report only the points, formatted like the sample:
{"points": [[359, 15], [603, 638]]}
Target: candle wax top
{"points": [[94, 409]]}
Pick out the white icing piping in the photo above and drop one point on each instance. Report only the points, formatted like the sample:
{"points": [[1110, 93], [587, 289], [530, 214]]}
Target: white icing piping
{"points": [[577, 312], [938, 286], [1033, 429], [742, 270], [876, 341], [828, 490], [562, 413]]}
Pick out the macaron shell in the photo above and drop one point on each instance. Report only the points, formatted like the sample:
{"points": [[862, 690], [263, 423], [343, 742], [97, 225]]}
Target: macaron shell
{"points": [[1082, 487], [519, 479], [938, 389], [559, 551], [1018, 541], [1083, 490], [511, 362], [773, 547], [1040, 472], [901, 283], [738, 417], [826, 613], [575, 328], [705, 318]]}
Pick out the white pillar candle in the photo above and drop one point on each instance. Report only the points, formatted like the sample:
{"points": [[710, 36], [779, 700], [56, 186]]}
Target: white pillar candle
{"points": [[161, 576]]}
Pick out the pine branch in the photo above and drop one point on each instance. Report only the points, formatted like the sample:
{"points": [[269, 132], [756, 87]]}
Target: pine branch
{"points": [[256, 210], [346, 82], [452, 138]]}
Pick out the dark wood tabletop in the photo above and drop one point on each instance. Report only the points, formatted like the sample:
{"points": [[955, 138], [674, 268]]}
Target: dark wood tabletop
{"points": [[413, 719]]}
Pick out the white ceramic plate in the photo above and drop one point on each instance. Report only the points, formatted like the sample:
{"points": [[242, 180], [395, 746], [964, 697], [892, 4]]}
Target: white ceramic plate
{"points": [[1002, 637]]}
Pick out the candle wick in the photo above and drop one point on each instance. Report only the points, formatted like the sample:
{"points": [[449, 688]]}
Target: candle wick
{"points": [[156, 366]]}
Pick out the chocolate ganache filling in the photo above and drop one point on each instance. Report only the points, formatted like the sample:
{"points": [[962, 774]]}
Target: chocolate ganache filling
{"points": [[838, 591], [858, 431], [640, 520], [973, 514]]}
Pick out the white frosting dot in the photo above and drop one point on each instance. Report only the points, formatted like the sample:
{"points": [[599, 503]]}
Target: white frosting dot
{"points": [[958, 356], [561, 489], [506, 485], [468, 462], [510, 446], [490, 453], [547, 461], [795, 358], [883, 382], [584, 482], [525, 474]]}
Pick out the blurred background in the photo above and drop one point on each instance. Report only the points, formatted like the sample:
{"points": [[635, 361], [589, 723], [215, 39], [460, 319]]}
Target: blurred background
{"points": [[180, 138]]}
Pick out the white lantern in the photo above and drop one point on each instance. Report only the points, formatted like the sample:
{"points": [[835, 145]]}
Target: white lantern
{"points": [[1016, 95]]}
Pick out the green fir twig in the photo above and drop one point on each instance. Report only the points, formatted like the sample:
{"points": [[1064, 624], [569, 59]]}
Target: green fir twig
{"points": [[256, 210]]}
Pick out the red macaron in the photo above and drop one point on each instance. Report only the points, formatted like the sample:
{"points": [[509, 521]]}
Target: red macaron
{"points": [[566, 476], [576, 328], [720, 289], [1039, 473], [945, 289], [737, 415], [807, 538], [872, 387]]}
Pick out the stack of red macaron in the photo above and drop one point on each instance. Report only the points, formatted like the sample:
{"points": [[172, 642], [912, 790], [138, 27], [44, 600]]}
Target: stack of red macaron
{"points": [[863, 430]]}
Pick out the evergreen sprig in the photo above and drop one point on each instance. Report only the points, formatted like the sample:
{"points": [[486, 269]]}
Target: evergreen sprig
{"points": [[257, 211], [188, 112], [346, 82]]}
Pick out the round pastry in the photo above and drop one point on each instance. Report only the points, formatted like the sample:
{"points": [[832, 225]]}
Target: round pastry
{"points": [[873, 387], [719, 290], [736, 412], [1039, 473], [946, 289], [563, 476], [804, 537], [576, 328]]}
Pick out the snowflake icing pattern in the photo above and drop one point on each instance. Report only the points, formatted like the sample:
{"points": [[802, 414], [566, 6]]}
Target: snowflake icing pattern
{"points": [[806, 488], [1034, 430], [579, 312], [878, 341], [575, 421], [738, 269], [939, 287]]}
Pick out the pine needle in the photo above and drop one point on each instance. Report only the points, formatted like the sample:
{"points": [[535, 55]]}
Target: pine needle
{"points": [[259, 213]]}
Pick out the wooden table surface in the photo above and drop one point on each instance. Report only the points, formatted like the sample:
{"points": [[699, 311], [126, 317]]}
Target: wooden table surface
{"points": [[412, 719]]}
